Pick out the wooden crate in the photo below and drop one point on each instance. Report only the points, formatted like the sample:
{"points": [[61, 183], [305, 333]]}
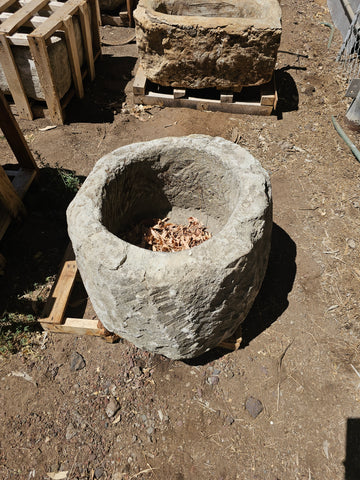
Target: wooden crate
{"points": [[251, 100], [43, 18], [55, 319], [14, 183]]}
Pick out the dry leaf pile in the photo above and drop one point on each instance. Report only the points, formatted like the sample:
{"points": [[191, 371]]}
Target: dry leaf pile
{"points": [[165, 236]]}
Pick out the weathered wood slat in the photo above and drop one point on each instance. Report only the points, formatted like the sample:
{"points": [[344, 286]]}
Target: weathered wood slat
{"points": [[4, 4], [15, 137], [86, 31], [73, 55], [40, 55], [227, 102], [8, 196], [22, 16], [48, 28], [62, 293], [13, 79]]}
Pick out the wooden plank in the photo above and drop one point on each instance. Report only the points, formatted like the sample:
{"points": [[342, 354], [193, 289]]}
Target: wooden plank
{"points": [[129, 9], [20, 39], [21, 16], [80, 326], [15, 137], [86, 31], [77, 326], [41, 58], [33, 22], [73, 55], [8, 196], [204, 104], [95, 22], [226, 97], [62, 293], [13, 79], [233, 342], [139, 85], [23, 180], [4, 4], [5, 220], [48, 28], [179, 92], [2, 264]]}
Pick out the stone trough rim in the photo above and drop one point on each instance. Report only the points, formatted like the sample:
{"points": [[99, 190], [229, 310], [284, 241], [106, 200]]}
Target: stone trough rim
{"points": [[214, 243], [147, 7]]}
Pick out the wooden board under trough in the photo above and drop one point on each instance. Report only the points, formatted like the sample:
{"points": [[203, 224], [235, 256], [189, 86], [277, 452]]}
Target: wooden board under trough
{"points": [[251, 100]]}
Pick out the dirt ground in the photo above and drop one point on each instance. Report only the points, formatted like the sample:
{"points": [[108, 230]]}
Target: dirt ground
{"points": [[286, 405]]}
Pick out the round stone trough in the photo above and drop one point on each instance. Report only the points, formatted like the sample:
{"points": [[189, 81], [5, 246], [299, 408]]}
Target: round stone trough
{"points": [[178, 304]]}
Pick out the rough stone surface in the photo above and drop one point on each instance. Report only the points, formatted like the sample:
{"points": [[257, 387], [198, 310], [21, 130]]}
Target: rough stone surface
{"points": [[208, 44], [59, 61], [176, 304]]}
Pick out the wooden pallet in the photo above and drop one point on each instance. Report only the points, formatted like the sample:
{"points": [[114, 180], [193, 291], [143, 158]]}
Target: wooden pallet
{"points": [[15, 182], [251, 100], [55, 319], [43, 18]]}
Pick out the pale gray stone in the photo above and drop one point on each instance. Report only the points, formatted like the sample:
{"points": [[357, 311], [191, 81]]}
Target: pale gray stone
{"points": [[176, 304], [200, 44]]}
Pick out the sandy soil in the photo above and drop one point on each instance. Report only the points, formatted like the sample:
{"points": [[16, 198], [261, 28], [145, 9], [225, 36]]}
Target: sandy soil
{"points": [[110, 411]]}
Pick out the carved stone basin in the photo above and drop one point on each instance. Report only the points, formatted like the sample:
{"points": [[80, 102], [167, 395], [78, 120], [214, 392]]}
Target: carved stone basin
{"points": [[183, 303], [202, 44]]}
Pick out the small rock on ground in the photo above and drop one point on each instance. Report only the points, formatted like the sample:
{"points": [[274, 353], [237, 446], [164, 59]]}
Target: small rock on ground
{"points": [[112, 408], [254, 406], [77, 362]]}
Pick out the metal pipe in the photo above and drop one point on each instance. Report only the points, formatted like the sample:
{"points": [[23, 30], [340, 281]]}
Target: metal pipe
{"points": [[346, 139]]}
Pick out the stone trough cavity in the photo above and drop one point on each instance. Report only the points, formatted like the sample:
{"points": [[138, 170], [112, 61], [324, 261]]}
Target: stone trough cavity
{"points": [[201, 44], [184, 303]]}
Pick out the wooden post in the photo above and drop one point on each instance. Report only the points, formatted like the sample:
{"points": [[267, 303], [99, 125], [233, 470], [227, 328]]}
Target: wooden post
{"points": [[8, 196], [14, 136], [86, 31], [13, 79], [41, 58], [73, 55]]}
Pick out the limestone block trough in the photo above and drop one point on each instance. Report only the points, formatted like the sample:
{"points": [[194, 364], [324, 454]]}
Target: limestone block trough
{"points": [[198, 44], [184, 303]]}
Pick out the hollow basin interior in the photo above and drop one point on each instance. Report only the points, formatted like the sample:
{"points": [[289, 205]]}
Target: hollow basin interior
{"points": [[170, 184], [211, 8]]}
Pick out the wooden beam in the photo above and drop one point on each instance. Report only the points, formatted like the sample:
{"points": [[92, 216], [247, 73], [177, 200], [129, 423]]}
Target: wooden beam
{"points": [[21, 16], [8, 196], [86, 31], [15, 137], [139, 82], [95, 22], [13, 79], [2, 264], [4, 4], [41, 58], [48, 28], [62, 293], [73, 54]]}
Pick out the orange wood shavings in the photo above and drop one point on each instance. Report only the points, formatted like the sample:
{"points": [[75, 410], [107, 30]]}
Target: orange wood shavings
{"points": [[164, 236]]}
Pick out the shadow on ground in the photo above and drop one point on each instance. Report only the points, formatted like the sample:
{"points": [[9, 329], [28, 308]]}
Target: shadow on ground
{"points": [[272, 299], [34, 246], [288, 95], [105, 94], [352, 460]]}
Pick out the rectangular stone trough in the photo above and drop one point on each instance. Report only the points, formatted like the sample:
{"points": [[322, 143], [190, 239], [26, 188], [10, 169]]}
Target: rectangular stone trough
{"points": [[201, 44]]}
